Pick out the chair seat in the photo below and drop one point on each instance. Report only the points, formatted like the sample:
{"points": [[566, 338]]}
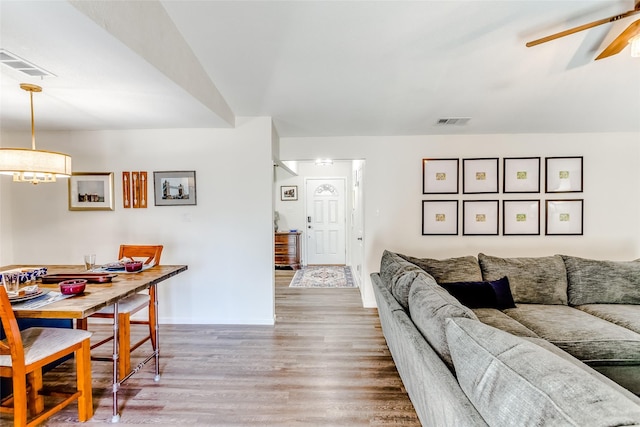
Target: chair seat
{"points": [[40, 343], [128, 305]]}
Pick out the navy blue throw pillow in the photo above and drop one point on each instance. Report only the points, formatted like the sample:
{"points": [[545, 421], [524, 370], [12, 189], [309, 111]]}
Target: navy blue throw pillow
{"points": [[494, 294]]}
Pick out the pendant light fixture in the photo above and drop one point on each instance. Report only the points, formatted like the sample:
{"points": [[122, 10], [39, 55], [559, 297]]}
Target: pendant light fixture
{"points": [[34, 166]]}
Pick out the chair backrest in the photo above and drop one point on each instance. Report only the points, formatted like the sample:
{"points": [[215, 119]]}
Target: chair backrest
{"points": [[152, 253], [11, 330]]}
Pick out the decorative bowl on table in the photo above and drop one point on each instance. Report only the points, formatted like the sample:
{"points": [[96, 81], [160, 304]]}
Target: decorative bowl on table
{"points": [[72, 287], [133, 266]]}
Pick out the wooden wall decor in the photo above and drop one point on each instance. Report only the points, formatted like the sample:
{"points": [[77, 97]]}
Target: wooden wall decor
{"points": [[143, 189], [134, 189], [135, 186], [126, 190]]}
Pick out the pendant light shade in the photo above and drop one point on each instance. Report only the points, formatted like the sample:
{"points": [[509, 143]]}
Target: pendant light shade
{"points": [[33, 165]]}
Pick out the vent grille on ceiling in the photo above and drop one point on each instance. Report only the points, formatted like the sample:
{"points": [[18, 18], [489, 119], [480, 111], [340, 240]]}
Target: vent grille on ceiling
{"points": [[14, 61], [448, 121]]}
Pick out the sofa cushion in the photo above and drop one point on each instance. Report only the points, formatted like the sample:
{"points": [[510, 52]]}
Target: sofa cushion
{"points": [[541, 280], [625, 315], [602, 282], [497, 319], [462, 269], [588, 338], [429, 306], [398, 275], [513, 382], [489, 294]]}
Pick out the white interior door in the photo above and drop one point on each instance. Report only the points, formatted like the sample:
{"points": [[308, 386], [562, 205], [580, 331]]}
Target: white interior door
{"points": [[326, 221]]}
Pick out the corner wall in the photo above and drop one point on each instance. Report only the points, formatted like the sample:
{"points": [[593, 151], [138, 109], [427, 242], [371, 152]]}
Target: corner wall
{"points": [[393, 193], [226, 240]]}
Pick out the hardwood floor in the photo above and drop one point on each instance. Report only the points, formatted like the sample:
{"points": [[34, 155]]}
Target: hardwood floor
{"points": [[324, 363]]}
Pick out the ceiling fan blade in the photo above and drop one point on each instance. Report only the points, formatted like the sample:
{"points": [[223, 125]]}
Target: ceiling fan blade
{"points": [[584, 27], [621, 41]]}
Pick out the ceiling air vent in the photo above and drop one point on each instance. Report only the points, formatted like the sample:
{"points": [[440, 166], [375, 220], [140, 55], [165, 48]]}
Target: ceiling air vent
{"points": [[450, 121], [14, 61]]}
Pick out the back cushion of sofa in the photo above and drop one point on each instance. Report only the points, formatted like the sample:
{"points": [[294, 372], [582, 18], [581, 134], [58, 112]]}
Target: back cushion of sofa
{"points": [[462, 269], [602, 282], [541, 280], [430, 305], [398, 276]]}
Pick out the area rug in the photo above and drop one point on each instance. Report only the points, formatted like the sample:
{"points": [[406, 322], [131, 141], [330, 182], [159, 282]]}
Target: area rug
{"points": [[323, 277]]}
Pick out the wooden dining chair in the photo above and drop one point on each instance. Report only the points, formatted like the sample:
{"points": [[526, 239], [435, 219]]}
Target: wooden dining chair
{"points": [[148, 254], [22, 357]]}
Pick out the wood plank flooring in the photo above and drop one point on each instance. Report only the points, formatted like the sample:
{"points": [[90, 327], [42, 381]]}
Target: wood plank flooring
{"points": [[324, 363]]}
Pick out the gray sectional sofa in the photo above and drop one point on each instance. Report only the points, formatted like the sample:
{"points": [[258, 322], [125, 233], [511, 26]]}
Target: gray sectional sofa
{"points": [[545, 341]]}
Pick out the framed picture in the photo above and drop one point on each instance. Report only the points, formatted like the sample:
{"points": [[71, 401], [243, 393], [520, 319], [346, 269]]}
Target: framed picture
{"points": [[480, 217], [480, 176], [564, 174], [440, 176], [439, 217], [174, 188], [564, 217], [91, 191], [520, 217], [521, 175], [289, 192]]}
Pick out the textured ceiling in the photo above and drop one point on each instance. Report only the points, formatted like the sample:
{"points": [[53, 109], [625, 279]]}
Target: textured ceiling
{"points": [[320, 68]]}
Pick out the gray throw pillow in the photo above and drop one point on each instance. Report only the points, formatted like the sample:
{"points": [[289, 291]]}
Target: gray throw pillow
{"points": [[541, 280], [398, 275], [430, 305], [462, 269], [602, 282], [514, 382]]}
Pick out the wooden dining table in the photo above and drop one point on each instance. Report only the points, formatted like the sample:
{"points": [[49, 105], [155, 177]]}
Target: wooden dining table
{"points": [[97, 296]]}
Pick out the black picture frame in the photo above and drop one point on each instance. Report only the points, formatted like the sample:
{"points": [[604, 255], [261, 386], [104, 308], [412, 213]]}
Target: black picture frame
{"points": [[564, 217], [440, 176], [480, 175], [480, 217], [440, 217]]}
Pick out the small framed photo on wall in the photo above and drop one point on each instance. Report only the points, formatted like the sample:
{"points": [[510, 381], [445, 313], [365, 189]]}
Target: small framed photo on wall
{"points": [[564, 174], [480, 176], [564, 217], [91, 191], [440, 176], [521, 217], [521, 175], [439, 217], [480, 217], [174, 188], [289, 192]]}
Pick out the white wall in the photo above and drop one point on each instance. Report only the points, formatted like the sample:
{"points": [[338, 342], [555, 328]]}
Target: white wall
{"points": [[226, 240], [393, 193]]}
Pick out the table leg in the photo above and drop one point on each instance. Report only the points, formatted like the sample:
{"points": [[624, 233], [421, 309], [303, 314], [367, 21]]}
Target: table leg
{"points": [[156, 331], [116, 384]]}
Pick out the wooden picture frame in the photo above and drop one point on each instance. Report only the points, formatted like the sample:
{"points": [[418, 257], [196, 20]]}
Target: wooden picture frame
{"points": [[564, 174], [521, 175], [91, 191], [521, 217], [439, 217], [564, 217], [440, 176], [175, 188], [480, 176], [480, 217], [288, 192]]}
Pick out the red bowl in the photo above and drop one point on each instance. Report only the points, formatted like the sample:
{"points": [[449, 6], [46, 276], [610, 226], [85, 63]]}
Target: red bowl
{"points": [[133, 266], [72, 287]]}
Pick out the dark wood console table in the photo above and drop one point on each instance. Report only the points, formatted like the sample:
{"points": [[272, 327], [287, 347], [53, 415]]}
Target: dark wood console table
{"points": [[287, 249]]}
